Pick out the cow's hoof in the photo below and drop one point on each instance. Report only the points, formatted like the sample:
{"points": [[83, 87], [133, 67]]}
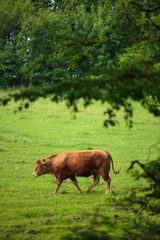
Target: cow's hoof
{"points": [[108, 192]]}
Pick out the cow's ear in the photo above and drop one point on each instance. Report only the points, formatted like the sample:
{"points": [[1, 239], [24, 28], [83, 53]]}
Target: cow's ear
{"points": [[43, 161], [38, 161]]}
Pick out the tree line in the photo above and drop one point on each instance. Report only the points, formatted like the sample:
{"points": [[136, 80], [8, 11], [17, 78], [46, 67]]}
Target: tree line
{"points": [[40, 40]]}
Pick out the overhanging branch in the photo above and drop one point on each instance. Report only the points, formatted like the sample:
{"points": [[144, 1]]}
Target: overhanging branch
{"points": [[148, 11], [143, 167]]}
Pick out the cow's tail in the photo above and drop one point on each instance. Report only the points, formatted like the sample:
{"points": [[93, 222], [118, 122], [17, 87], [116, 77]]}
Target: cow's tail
{"points": [[115, 172]]}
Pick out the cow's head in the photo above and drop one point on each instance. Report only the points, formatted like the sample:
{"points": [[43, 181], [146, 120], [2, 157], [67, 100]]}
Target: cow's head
{"points": [[40, 167]]}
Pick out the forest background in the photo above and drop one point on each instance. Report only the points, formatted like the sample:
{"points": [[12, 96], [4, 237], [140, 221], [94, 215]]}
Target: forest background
{"points": [[91, 50]]}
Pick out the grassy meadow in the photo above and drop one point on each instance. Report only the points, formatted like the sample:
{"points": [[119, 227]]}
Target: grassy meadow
{"points": [[28, 208]]}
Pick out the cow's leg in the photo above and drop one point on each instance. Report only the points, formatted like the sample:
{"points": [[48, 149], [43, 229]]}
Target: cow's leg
{"points": [[59, 182], [95, 182], [74, 181], [107, 180]]}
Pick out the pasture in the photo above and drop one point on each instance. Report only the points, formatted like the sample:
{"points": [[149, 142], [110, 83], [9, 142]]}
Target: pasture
{"points": [[29, 210]]}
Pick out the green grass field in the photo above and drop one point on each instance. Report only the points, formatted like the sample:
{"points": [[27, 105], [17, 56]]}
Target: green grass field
{"points": [[29, 210]]}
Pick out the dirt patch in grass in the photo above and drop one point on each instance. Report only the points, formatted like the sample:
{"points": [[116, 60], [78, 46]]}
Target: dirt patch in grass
{"points": [[31, 231]]}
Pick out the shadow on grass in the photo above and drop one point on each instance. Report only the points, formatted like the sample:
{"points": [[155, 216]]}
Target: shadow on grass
{"points": [[93, 230]]}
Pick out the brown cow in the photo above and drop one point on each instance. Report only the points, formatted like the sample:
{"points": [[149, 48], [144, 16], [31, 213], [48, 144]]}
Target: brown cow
{"points": [[77, 163]]}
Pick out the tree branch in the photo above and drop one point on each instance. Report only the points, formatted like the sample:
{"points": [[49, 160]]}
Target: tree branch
{"points": [[145, 10], [143, 167], [148, 11]]}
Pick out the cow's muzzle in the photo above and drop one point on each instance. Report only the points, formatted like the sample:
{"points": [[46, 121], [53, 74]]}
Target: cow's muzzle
{"points": [[35, 175]]}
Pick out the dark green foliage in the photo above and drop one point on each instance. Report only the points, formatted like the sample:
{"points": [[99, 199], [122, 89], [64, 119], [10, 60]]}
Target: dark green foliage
{"points": [[71, 6], [150, 197], [146, 200], [42, 3], [142, 228]]}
